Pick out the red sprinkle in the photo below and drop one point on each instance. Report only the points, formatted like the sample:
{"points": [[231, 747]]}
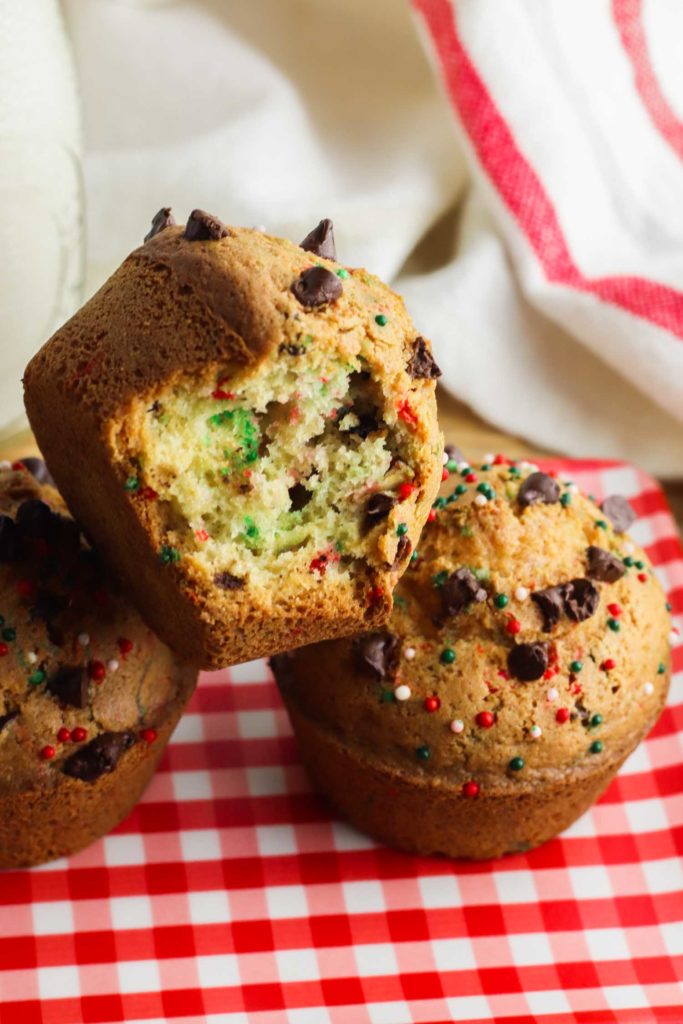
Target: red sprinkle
{"points": [[614, 609], [125, 645], [513, 626], [642, 576], [79, 734], [225, 396], [18, 465], [431, 515], [562, 715], [375, 595], [432, 704], [485, 719], [503, 673], [26, 588], [445, 474], [471, 788], [405, 490], [201, 535], [64, 735], [47, 753], [149, 494], [499, 460], [406, 413], [471, 478], [608, 664], [96, 670], [148, 735], [319, 564], [4, 649]]}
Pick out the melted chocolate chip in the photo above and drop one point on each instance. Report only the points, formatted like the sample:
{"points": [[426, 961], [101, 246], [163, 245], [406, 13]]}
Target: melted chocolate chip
{"points": [[378, 508], [69, 685], [161, 220], [619, 512], [453, 452], [603, 565], [422, 365], [527, 662], [320, 241], [38, 470], [8, 717], [204, 227], [460, 590], [35, 518], [367, 424], [316, 287], [10, 541], [539, 488], [582, 711], [98, 757], [380, 651], [226, 581], [550, 603], [581, 599], [299, 497], [403, 549]]}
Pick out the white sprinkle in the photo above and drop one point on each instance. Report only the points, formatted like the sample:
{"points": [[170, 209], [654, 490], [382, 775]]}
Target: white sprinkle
{"points": [[489, 457], [462, 465], [673, 636], [5, 464], [535, 732], [445, 458], [112, 665], [573, 489], [260, 227], [457, 725], [628, 547], [402, 692], [531, 466], [521, 594], [552, 694], [83, 639], [409, 653], [648, 688], [32, 657], [481, 500]]}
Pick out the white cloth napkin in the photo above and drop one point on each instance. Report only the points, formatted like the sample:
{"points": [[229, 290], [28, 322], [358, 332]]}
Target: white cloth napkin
{"points": [[524, 191]]}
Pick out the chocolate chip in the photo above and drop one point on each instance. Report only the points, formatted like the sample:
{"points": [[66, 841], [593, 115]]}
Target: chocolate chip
{"points": [[367, 424], [10, 541], [35, 518], [460, 590], [550, 604], [619, 512], [317, 286], [581, 599], [582, 711], [8, 717], [69, 685], [403, 548], [299, 497], [422, 365], [527, 662], [98, 757], [378, 508], [603, 565], [203, 227], [161, 220], [454, 453], [380, 651], [226, 581], [320, 241], [539, 488], [38, 469]]}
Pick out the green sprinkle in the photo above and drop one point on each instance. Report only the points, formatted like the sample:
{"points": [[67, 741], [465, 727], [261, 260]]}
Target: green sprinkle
{"points": [[440, 578], [415, 555], [423, 753], [640, 565], [132, 483], [595, 721], [613, 625], [250, 528], [387, 697], [576, 667], [485, 467], [9, 633], [483, 488], [466, 531], [501, 600], [36, 678], [381, 319], [465, 471], [460, 489], [596, 747], [628, 561], [516, 764], [342, 273], [447, 656], [167, 554], [481, 574], [661, 669], [440, 503], [402, 529], [601, 524], [451, 465], [513, 471], [566, 500], [668, 606]]}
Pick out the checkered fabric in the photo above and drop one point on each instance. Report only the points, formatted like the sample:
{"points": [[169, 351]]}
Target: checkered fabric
{"points": [[232, 896]]}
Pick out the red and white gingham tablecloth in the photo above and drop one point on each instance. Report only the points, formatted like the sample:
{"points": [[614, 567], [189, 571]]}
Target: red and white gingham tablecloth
{"points": [[232, 896]]}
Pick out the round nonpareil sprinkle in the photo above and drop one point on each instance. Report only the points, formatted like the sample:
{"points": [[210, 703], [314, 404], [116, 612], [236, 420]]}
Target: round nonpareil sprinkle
{"points": [[64, 735], [535, 732], [661, 668], [447, 656], [423, 753], [432, 704], [485, 719], [516, 764], [457, 725], [113, 665], [596, 747], [649, 689], [595, 721], [409, 653], [402, 692], [552, 694], [576, 667], [513, 626], [521, 594], [47, 753], [381, 319], [481, 500], [32, 657], [405, 490], [608, 664], [562, 715], [83, 639], [9, 634], [148, 735], [79, 734], [501, 600], [470, 789]]}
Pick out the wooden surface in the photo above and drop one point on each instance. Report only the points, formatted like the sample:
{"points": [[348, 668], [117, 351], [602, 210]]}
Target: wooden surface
{"points": [[460, 426]]}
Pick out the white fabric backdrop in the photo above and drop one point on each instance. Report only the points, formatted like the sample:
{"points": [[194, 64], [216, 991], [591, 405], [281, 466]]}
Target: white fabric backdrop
{"points": [[279, 112]]}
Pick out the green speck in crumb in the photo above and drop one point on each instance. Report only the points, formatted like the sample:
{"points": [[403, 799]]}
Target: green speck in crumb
{"points": [[402, 529], [596, 747], [132, 483], [566, 499], [339, 546], [466, 531], [400, 602], [481, 574], [447, 656], [415, 555], [168, 554], [342, 273], [381, 319], [601, 524], [9, 634], [387, 697], [37, 677], [661, 669], [440, 578], [250, 528], [668, 606]]}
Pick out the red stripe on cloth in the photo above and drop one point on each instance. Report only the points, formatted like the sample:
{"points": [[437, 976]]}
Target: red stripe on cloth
{"points": [[522, 190], [628, 19]]}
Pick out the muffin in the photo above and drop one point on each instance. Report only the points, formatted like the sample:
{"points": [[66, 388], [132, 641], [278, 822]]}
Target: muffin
{"points": [[527, 656], [259, 420], [88, 696]]}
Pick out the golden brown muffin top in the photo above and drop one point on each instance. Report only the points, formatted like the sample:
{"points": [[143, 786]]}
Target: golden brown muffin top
{"points": [[82, 678], [529, 637]]}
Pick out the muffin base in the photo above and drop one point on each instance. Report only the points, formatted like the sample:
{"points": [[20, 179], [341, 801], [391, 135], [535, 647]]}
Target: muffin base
{"points": [[426, 816], [39, 825]]}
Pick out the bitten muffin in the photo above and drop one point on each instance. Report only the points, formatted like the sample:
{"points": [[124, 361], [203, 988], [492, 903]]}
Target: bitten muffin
{"points": [[88, 696], [527, 656], [259, 419]]}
